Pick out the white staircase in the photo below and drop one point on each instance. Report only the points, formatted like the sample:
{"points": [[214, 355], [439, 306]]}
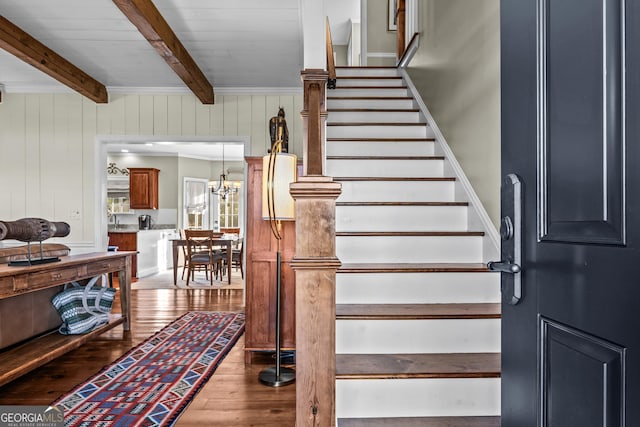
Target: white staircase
{"points": [[418, 314]]}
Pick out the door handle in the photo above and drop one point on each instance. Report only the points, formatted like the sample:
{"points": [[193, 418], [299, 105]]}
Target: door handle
{"points": [[511, 248], [504, 267]]}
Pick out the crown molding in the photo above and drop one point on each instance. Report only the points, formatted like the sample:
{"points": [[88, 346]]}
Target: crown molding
{"points": [[242, 90]]}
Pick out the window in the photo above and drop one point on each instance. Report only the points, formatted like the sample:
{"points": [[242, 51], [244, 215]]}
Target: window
{"points": [[195, 208], [229, 208]]}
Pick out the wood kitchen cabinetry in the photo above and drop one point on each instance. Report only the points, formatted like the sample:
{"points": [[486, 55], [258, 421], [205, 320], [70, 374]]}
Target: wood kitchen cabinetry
{"points": [[143, 188], [260, 250], [127, 242]]}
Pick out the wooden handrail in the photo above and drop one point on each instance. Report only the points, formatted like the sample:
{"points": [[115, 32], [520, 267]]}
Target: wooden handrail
{"points": [[331, 65]]}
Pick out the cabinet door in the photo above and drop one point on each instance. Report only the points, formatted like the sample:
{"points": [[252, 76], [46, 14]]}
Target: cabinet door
{"points": [[126, 242], [143, 188]]}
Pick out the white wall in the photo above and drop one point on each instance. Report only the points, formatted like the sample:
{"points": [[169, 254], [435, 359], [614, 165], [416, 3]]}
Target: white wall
{"points": [[48, 145], [457, 72]]}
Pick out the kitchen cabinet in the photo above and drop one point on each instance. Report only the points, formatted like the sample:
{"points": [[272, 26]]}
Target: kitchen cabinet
{"points": [[155, 251], [126, 241], [260, 273], [143, 188]]}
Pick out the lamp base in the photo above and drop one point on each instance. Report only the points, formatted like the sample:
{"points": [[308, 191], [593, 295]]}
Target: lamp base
{"points": [[268, 377]]}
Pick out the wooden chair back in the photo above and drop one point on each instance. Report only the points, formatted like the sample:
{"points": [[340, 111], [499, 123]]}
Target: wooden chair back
{"points": [[200, 254]]}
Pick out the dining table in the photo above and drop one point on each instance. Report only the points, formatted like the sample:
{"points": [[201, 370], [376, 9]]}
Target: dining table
{"points": [[177, 243]]}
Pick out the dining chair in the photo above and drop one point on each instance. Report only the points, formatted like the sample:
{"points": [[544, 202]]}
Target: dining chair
{"points": [[185, 262], [201, 254], [237, 253]]}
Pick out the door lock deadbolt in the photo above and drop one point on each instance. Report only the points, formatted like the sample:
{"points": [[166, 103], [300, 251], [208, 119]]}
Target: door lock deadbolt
{"points": [[506, 228]]}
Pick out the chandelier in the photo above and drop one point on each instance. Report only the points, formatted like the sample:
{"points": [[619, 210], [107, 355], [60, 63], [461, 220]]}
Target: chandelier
{"points": [[222, 187]]}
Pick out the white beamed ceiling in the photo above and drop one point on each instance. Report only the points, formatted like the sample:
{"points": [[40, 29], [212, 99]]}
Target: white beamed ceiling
{"points": [[239, 43]]}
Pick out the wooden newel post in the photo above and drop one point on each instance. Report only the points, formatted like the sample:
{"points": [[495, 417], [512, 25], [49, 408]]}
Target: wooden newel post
{"points": [[315, 266]]}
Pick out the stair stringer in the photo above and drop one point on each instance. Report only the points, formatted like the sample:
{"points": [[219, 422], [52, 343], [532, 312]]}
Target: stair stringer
{"points": [[478, 218]]}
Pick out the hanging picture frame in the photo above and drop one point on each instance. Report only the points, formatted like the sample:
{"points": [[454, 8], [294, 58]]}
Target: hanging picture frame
{"points": [[392, 24]]}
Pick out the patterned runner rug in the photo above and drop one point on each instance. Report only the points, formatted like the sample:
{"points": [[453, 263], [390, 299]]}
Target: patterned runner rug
{"points": [[154, 382]]}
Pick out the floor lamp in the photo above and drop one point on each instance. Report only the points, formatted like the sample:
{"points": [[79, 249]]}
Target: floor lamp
{"points": [[279, 170]]}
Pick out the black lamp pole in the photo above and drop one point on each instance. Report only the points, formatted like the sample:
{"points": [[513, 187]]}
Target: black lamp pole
{"points": [[278, 375]]}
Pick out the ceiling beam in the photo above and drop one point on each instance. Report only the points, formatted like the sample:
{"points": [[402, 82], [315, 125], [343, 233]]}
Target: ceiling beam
{"points": [[17, 42], [144, 15]]}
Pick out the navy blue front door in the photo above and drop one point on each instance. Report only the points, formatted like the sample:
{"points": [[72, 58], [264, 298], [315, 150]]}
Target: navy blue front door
{"points": [[571, 133]]}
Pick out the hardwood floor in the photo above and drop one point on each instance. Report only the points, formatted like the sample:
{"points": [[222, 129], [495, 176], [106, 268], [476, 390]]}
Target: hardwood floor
{"points": [[232, 397]]}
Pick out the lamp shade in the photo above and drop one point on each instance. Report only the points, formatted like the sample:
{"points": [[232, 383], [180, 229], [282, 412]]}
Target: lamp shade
{"points": [[277, 179]]}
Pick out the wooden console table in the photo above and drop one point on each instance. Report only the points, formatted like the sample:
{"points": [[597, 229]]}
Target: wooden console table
{"points": [[18, 360]]}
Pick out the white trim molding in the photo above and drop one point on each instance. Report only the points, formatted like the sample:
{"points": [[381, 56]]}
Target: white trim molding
{"points": [[381, 55], [225, 90]]}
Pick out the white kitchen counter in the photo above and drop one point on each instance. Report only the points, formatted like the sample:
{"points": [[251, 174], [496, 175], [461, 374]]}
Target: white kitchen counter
{"points": [[154, 251]]}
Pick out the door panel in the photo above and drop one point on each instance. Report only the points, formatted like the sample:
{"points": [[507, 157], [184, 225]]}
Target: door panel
{"points": [[582, 377], [580, 70], [571, 132]]}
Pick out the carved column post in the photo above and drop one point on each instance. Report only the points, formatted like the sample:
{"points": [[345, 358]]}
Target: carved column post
{"points": [[315, 265]]}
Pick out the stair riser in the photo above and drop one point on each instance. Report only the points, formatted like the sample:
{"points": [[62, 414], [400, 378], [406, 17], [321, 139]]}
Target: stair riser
{"points": [[369, 82], [373, 117], [418, 336], [368, 103], [417, 288], [397, 191], [371, 131], [367, 72], [375, 92], [418, 397], [386, 168], [401, 218], [380, 148], [408, 249]]}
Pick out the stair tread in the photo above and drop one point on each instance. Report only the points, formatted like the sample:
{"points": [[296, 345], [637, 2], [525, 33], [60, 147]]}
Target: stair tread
{"points": [[382, 98], [481, 421], [409, 233], [373, 110], [402, 203], [391, 178], [388, 124], [418, 365], [385, 158], [370, 87], [370, 77], [418, 311], [382, 139], [475, 267], [366, 67]]}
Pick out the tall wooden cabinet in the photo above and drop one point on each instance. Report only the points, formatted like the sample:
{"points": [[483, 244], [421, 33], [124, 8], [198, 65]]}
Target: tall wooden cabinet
{"points": [[143, 188], [260, 250]]}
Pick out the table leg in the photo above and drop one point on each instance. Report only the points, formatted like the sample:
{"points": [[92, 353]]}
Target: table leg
{"points": [[124, 281], [174, 249], [229, 257]]}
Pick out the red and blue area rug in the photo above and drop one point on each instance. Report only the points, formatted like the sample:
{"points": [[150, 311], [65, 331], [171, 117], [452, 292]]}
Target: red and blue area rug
{"points": [[153, 383]]}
